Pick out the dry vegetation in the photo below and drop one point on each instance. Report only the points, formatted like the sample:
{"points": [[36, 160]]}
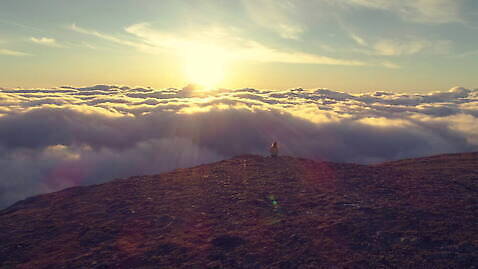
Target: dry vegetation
{"points": [[256, 212]]}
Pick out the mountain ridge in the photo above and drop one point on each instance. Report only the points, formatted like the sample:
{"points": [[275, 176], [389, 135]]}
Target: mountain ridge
{"points": [[252, 211]]}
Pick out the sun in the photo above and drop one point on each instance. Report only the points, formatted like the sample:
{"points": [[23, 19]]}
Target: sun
{"points": [[204, 65]]}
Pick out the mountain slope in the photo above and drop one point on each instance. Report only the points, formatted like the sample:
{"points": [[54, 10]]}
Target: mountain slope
{"points": [[251, 212]]}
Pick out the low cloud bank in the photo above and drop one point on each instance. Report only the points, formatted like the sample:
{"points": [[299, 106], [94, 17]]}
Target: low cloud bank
{"points": [[56, 138]]}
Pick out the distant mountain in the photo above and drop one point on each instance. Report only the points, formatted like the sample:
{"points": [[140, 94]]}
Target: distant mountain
{"points": [[257, 212]]}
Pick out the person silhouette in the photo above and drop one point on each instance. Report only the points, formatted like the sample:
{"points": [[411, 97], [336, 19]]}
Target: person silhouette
{"points": [[274, 150]]}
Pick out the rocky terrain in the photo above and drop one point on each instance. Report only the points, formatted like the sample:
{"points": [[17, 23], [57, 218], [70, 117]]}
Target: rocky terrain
{"points": [[257, 212]]}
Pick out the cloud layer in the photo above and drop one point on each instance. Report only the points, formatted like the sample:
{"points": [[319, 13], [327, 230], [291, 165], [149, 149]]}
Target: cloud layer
{"points": [[56, 138]]}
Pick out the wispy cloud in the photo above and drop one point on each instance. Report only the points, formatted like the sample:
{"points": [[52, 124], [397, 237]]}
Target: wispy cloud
{"points": [[424, 11], [402, 47], [278, 16], [111, 38], [359, 40], [467, 54], [23, 26], [88, 45], [391, 65], [12, 52], [228, 44], [224, 41], [394, 47], [45, 41]]}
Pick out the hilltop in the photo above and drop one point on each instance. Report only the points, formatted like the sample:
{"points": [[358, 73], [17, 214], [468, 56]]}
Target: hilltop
{"points": [[256, 212]]}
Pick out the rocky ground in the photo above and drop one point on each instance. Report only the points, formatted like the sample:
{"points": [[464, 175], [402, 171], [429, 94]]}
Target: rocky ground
{"points": [[256, 212]]}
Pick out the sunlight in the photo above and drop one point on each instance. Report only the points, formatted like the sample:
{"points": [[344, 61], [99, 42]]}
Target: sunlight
{"points": [[204, 65]]}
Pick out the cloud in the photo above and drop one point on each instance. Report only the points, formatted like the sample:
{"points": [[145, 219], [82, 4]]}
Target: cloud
{"points": [[45, 41], [403, 46], [111, 38], [89, 46], [420, 11], [12, 52], [225, 42], [56, 138], [389, 47], [278, 16], [359, 40], [469, 53], [391, 65], [394, 48]]}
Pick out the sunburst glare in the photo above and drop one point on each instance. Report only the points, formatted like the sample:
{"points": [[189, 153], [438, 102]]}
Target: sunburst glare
{"points": [[204, 65]]}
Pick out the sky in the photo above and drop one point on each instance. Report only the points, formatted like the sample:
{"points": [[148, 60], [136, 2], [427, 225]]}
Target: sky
{"points": [[415, 46]]}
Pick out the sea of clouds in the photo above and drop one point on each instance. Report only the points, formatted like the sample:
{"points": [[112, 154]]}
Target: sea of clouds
{"points": [[51, 139]]}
